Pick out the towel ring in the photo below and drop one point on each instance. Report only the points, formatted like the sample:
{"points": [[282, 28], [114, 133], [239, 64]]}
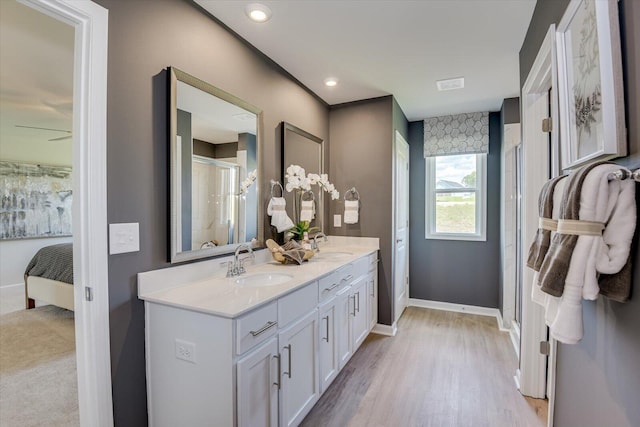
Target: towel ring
{"points": [[275, 183], [312, 199], [352, 195]]}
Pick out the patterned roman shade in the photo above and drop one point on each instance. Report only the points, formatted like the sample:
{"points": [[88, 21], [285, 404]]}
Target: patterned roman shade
{"points": [[466, 133]]}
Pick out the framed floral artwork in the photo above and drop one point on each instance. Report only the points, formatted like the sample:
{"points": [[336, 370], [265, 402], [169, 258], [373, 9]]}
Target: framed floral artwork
{"points": [[590, 88]]}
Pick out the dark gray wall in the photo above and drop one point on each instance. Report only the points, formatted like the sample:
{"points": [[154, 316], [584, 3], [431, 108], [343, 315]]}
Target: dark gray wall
{"points": [[460, 272], [361, 156], [184, 131], [143, 40], [598, 380]]}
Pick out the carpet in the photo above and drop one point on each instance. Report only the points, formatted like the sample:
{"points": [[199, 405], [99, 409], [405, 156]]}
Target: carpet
{"points": [[38, 380]]}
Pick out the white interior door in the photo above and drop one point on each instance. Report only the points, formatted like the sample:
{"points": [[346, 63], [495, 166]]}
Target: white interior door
{"points": [[401, 225]]}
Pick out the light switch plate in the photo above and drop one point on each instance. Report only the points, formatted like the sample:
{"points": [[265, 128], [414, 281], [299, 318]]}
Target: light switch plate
{"points": [[124, 238], [337, 220]]}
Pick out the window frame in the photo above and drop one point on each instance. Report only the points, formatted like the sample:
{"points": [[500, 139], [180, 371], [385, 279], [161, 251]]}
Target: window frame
{"points": [[481, 202]]}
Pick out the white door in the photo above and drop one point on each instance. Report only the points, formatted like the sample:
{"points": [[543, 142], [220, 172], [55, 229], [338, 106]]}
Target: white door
{"points": [[299, 374], [401, 225], [328, 344], [258, 386]]}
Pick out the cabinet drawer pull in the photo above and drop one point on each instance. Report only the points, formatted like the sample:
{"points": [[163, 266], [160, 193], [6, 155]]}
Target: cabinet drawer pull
{"points": [[349, 277], [277, 356], [332, 287], [288, 373], [270, 324], [327, 337]]}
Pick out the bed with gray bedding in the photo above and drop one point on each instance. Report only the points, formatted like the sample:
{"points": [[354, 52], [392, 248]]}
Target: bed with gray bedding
{"points": [[49, 276]]}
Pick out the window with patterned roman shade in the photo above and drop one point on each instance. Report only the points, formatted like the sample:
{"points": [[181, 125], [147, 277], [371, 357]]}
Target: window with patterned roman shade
{"points": [[466, 133]]}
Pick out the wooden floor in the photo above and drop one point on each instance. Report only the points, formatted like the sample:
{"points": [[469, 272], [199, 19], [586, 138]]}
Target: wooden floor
{"points": [[441, 369]]}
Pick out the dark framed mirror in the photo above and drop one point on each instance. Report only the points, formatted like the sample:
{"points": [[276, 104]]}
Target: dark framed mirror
{"points": [[215, 139], [306, 150]]}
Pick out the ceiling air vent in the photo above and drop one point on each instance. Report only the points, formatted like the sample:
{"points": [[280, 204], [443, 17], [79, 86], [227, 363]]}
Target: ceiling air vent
{"points": [[450, 84]]}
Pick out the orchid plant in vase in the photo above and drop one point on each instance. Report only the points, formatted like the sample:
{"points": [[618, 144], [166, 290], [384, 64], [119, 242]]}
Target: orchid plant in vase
{"points": [[299, 181]]}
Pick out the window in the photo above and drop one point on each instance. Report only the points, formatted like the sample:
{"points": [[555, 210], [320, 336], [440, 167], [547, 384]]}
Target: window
{"points": [[455, 197]]}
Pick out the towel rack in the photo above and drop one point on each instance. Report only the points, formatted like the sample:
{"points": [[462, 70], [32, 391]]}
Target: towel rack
{"points": [[623, 174], [352, 194], [313, 196], [275, 184]]}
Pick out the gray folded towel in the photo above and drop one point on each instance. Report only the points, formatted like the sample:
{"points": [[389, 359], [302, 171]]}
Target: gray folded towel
{"points": [[540, 244], [617, 286], [555, 265], [293, 252]]}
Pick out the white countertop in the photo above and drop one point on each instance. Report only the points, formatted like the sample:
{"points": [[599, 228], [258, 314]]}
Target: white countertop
{"points": [[213, 293]]}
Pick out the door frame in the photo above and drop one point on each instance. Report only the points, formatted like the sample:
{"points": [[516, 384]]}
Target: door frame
{"points": [[399, 141], [532, 375], [90, 262]]}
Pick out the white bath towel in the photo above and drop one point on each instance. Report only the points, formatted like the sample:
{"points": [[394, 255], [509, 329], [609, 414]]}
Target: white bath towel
{"points": [[610, 203], [351, 211], [307, 210], [279, 218]]}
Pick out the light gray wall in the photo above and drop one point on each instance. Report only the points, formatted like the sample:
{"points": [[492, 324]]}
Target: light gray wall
{"points": [[144, 39], [460, 272], [598, 380], [361, 141]]}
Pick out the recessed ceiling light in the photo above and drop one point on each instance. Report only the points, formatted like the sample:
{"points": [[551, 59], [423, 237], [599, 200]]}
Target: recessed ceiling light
{"points": [[330, 81], [450, 84], [258, 12]]}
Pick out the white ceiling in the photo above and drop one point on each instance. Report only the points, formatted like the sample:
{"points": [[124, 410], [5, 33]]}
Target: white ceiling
{"points": [[36, 80], [397, 47]]}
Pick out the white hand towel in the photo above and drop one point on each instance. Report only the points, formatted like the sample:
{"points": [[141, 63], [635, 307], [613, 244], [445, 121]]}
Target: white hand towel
{"points": [[351, 211], [307, 210], [279, 218]]}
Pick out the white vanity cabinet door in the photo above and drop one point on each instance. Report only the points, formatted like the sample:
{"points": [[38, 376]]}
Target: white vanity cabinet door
{"points": [[359, 309], [344, 309], [257, 387], [299, 391], [327, 343]]}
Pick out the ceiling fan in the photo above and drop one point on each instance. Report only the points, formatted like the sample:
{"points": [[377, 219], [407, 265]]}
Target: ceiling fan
{"points": [[61, 138]]}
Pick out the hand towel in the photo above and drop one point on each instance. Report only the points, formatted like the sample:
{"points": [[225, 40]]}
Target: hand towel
{"points": [[307, 210], [279, 218], [542, 239], [351, 211], [555, 265], [601, 202]]}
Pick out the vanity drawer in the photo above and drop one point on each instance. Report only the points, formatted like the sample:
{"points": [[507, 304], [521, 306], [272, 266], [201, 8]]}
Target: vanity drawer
{"points": [[297, 304], [361, 266], [328, 286], [255, 327]]}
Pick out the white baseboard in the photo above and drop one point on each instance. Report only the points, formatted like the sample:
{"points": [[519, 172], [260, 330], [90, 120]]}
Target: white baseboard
{"points": [[459, 308], [516, 378], [387, 330], [514, 334]]}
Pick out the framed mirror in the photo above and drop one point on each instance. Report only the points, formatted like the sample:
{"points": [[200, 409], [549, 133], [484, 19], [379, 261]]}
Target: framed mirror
{"points": [[306, 150], [214, 140]]}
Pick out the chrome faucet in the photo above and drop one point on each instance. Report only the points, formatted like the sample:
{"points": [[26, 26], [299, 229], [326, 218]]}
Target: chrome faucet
{"points": [[238, 264], [315, 241]]}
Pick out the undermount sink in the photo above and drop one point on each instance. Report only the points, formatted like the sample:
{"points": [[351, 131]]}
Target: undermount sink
{"points": [[332, 255], [263, 279]]}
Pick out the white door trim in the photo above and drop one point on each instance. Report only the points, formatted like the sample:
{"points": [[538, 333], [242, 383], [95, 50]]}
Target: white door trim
{"points": [[533, 366], [399, 141], [90, 263]]}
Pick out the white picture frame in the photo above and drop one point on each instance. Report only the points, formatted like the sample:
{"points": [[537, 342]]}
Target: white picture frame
{"points": [[590, 85]]}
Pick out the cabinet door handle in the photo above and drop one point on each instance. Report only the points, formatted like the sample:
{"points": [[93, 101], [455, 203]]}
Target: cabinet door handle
{"points": [[332, 287], [354, 305], [277, 356], [358, 296], [270, 324], [373, 288], [327, 319], [288, 347]]}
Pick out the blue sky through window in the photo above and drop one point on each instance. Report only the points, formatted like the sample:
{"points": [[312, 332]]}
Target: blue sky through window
{"points": [[454, 168]]}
